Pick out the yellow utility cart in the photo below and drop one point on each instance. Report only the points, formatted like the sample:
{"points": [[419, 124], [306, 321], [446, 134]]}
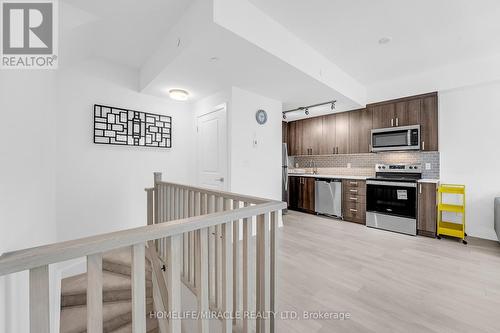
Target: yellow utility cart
{"points": [[451, 211]]}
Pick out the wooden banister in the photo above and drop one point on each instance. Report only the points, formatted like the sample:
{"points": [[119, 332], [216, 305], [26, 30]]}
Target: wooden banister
{"points": [[195, 233]]}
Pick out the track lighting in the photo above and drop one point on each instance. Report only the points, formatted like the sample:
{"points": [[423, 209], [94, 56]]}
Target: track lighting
{"points": [[306, 108]]}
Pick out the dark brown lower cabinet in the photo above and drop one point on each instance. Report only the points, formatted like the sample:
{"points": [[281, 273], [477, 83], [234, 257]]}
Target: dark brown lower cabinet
{"points": [[293, 192], [427, 209], [354, 200], [301, 194]]}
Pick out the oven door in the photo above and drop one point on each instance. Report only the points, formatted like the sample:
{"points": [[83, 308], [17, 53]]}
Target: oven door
{"points": [[397, 198]]}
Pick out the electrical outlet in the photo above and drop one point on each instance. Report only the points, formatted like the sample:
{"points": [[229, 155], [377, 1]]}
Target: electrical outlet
{"points": [[428, 166]]}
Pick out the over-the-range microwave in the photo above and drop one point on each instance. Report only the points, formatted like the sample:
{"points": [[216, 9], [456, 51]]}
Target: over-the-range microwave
{"points": [[396, 138]]}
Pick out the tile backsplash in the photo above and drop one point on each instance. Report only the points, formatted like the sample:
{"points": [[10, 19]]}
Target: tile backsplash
{"points": [[364, 164]]}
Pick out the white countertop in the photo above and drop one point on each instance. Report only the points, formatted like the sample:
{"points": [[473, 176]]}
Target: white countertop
{"points": [[424, 180], [432, 181], [329, 176]]}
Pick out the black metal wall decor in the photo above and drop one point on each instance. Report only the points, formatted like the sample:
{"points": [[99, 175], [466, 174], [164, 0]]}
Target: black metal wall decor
{"points": [[116, 126]]}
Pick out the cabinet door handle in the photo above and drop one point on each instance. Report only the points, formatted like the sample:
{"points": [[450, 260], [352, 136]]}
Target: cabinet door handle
{"points": [[353, 210], [353, 183], [420, 188], [392, 122], [355, 199], [397, 121], [354, 191], [423, 145]]}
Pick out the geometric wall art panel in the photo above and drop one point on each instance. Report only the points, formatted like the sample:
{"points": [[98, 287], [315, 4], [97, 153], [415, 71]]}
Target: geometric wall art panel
{"points": [[116, 126]]}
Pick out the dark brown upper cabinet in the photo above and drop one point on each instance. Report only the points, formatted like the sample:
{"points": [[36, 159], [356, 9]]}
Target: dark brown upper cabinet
{"points": [[408, 112], [350, 132], [342, 133], [284, 131], [429, 123], [312, 130], [360, 125], [328, 142], [295, 138], [383, 115]]}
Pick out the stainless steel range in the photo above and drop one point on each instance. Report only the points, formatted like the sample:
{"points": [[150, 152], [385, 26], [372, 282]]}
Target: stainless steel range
{"points": [[391, 198]]}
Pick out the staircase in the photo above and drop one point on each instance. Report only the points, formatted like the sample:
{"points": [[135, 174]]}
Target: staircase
{"points": [[117, 297]]}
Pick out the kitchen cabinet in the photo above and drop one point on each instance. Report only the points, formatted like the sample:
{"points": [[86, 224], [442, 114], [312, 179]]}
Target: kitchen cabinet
{"points": [[354, 200], [293, 192], [328, 140], [342, 133], [429, 123], [307, 194], [407, 112], [312, 130], [383, 115], [427, 209], [284, 131], [295, 138], [402, 112], [360, 125], [350, 132], [301, 193]]}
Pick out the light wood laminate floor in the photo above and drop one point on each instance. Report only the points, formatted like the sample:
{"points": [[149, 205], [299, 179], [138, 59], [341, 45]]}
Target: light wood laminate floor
{"points": [[386, 281]]}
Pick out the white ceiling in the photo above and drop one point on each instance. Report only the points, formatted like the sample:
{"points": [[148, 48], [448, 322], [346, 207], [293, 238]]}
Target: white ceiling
{"points": [[240, 64], [426, 34], [123, 31]]}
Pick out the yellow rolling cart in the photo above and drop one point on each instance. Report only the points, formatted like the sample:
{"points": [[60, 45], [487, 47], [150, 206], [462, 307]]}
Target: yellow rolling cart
{"points": [[451, 211]]}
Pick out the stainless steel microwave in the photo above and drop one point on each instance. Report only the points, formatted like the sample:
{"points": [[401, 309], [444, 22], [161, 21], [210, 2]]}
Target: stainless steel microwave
{"points": [[396, 138]]}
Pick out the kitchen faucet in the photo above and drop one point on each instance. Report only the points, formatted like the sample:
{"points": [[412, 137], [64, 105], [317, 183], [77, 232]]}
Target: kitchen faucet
{"points": [[312, 165]]}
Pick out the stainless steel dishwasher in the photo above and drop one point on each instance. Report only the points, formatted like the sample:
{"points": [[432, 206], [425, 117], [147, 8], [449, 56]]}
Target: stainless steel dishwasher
{"points": [[328, 199]]}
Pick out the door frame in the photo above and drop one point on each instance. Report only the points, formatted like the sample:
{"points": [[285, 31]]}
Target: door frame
{"points": [[227, 177]]}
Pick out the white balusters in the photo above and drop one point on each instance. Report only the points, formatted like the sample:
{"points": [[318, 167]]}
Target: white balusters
{"points": [[39, 300], [94, 293]]}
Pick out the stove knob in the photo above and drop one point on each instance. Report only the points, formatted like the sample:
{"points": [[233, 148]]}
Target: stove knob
{"points": [[379, 167], [383, 167], [411, 167]]}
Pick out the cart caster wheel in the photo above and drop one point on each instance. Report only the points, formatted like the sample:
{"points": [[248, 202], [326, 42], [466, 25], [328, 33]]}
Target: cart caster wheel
{"points": [[464, 241], [438, 237]]}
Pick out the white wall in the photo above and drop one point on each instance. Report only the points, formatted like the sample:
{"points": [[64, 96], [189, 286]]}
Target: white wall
{"points": [[255, 169], [27, 206], [100, 188], [469, 134]]}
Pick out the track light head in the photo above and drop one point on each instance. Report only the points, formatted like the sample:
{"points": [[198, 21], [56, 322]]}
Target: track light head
{"points": [[333, 105], [284, 116]]}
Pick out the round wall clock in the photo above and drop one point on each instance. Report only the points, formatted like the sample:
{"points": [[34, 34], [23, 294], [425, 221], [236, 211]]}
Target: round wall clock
{"points": [[261, 117]]}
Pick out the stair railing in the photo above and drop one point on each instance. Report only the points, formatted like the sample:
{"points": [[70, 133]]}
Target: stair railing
{"points": [[199, 245]]}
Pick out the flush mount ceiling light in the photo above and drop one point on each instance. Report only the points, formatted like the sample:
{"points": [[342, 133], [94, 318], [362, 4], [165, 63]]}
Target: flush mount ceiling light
{"points": [[178, 94], [384, 40]]}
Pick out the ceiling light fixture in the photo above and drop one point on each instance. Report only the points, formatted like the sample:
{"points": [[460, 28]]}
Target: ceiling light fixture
{"points": [[384, 40], [284, 116], [333, 105], [214, 59], [178, 94], [306, 111]]}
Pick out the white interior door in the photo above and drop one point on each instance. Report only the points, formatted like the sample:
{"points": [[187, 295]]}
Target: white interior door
{"points": [[212, 149]]}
